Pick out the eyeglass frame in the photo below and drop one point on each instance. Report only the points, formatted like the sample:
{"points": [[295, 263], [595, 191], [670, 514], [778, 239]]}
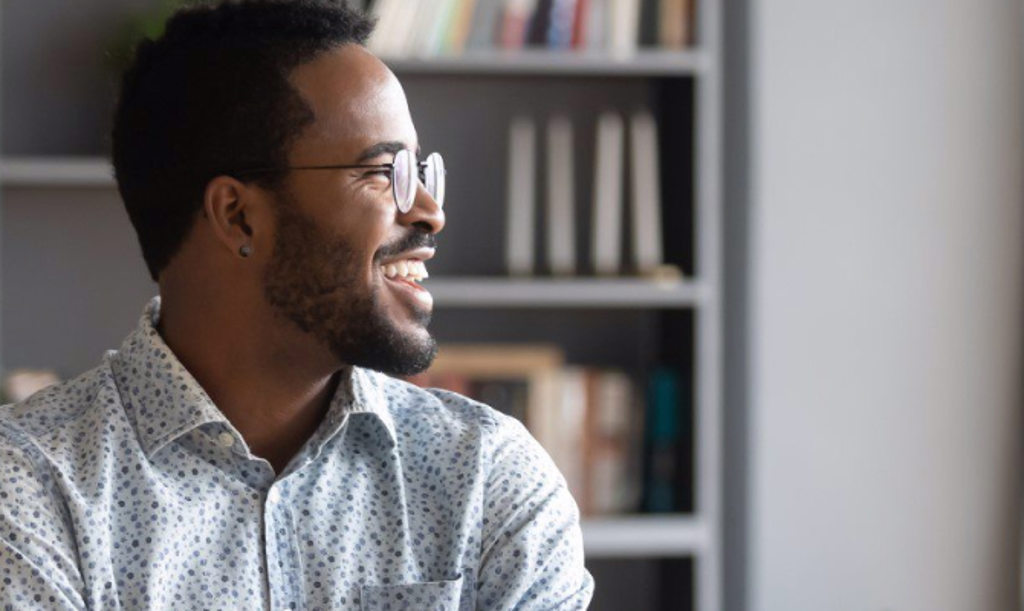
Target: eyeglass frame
{"points": [[361, 166]]}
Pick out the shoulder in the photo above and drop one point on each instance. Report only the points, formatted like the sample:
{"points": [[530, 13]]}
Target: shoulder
{"points": [[434, 413], [409, 403], [61, 417]]}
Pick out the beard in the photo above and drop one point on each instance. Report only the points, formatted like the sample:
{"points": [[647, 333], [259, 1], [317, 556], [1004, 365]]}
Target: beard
{"points": [[316, 283]]}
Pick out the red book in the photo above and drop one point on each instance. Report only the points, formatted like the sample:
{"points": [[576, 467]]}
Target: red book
{"points": [[579, 33]]}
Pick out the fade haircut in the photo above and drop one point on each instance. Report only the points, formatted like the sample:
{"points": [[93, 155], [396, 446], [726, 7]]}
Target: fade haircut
{"points": [[210, 96]]}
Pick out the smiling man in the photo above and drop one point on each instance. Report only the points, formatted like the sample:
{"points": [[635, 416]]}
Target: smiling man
{"points": [[243, 449]]}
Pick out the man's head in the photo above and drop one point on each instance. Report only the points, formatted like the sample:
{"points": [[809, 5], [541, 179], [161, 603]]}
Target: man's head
{"points": [[279, 84]]}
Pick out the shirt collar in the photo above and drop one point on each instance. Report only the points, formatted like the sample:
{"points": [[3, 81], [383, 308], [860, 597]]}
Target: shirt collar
{"points": [[164, 401], [369, 397]]}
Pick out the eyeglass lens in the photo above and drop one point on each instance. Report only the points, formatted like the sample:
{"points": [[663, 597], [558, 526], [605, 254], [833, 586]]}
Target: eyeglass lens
{"points": [[407, 174]]}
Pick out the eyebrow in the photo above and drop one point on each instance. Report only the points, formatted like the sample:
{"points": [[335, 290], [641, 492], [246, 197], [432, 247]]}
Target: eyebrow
{"points": [[381, 148]]}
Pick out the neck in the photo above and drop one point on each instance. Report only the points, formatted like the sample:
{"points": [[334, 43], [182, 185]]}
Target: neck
{"points": [[273, 389]]}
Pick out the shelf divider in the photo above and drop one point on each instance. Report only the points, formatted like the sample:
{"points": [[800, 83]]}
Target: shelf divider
{"points": [[56, 172], [598, 292], [644, 63]]}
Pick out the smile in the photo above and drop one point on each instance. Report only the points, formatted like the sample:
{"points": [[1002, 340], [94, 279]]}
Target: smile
{"points": [[412, 270]]}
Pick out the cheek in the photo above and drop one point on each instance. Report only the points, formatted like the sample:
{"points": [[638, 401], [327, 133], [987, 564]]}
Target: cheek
{"points": [[367, 233]]}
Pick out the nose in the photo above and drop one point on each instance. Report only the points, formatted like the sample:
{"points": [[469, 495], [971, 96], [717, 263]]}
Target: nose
{"points": [[425, 212]]}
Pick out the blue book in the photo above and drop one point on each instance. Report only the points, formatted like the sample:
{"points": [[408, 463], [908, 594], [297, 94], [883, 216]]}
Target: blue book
{"points": [[662, 441]]}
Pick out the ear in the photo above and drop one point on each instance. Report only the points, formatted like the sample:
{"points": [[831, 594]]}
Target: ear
{"points": [[238, 215]]}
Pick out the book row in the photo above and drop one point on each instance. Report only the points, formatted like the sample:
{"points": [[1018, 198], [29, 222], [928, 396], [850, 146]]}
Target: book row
{"points": [[619, 441], [608, 204], [416, 28]]}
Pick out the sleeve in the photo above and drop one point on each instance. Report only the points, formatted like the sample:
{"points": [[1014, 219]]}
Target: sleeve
{"points": [[532, 544], [38, 566]]}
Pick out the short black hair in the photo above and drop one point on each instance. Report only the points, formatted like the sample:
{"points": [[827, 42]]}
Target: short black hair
{"points": [[212, 95]]}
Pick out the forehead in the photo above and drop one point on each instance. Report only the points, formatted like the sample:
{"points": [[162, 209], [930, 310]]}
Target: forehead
{"points": [[357, 102]]}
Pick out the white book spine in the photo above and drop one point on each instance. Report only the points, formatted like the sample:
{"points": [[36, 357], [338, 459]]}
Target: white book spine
{"points": [[606, 245], [560, 222], [410, 27], [568, 450], [625, 27], [645, 192], [521, 155], [380, 38], [596, 32]]}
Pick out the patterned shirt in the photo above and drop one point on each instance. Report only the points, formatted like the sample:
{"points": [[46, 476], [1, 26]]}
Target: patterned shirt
{"points": [[127, 488]]}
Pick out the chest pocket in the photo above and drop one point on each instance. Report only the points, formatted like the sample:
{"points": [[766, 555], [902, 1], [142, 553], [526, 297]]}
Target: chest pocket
{"points": [[425, 596]]}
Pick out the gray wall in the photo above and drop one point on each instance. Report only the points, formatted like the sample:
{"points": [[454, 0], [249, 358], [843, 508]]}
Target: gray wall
{"points": [[886, 277], [57, 87]]}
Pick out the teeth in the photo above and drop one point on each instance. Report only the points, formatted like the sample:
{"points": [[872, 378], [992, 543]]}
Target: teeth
{"points": [[411, 269]]}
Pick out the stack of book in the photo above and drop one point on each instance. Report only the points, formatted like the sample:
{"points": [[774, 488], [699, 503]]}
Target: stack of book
{"points": [[418, 28], [608, 207], [618, 443]]}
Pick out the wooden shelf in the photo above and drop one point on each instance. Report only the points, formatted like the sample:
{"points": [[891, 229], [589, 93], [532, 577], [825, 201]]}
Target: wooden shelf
{"points": [[568, 292], [645, 536], [564, 63]]}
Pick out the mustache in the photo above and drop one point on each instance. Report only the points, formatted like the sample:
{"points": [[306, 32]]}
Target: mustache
{"points": [[415, 240]]}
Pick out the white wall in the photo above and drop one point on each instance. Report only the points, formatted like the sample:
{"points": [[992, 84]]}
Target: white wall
{"points": [[886, 305]]}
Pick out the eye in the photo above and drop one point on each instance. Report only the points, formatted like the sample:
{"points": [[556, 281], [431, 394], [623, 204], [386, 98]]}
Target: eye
{"points": [[385, 172]]}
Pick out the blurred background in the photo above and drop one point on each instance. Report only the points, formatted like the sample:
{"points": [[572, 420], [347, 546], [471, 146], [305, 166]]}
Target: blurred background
{"points": [[751, 271]]}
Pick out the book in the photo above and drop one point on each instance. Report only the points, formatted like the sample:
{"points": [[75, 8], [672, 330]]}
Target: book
{"points": [[426, 29], [675, 23], [521, 186], [624, 24], [539, 23], [606, 242], [515, 23], [611, 453], [384, 11], [645, 193], [647, 23], [566, 443], [563, 20], [483, 30], [595, 29], [458, 32], [661, 451], [441, 25], [579, 23], [561, 228]]}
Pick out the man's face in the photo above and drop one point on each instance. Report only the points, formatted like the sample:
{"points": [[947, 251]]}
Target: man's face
{"points": [[337, 229]]}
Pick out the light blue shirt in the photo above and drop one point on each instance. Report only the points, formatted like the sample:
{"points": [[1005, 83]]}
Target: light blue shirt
{"points": [[127, 488]]}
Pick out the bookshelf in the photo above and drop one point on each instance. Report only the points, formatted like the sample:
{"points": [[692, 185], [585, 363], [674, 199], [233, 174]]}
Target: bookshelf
{"points": [[476, 93]]}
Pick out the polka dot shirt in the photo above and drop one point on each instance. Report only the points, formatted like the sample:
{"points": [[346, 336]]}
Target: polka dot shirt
{"points": [[126, 488]]}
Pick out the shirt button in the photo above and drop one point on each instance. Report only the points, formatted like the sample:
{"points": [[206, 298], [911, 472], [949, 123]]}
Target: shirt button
{"points": [[273, 497], [226, 440]]}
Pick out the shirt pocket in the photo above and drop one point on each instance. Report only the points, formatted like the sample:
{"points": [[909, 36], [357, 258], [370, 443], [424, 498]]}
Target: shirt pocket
{"points": [[424, 596]]}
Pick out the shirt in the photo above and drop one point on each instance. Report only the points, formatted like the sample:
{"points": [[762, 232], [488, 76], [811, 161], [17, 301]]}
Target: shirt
{"points": [[127, 488]]}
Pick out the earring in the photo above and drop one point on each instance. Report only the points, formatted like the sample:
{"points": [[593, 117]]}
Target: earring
{"points": [[245, 250]]}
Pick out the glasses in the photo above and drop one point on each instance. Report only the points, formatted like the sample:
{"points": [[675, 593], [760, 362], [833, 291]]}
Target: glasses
{"points": [[430, 173]]}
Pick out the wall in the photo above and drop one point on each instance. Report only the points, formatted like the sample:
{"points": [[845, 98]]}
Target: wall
{"points": [[886, 309]]}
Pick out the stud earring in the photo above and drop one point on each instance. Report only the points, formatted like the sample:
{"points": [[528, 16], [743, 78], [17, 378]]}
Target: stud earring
{"points": [[245, 250]]}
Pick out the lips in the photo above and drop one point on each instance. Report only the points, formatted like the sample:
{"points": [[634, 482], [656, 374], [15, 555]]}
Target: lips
{"points": [[403, 273]]}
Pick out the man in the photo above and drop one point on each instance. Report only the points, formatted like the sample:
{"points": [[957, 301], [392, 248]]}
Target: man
{"points": [[241, 450]]}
